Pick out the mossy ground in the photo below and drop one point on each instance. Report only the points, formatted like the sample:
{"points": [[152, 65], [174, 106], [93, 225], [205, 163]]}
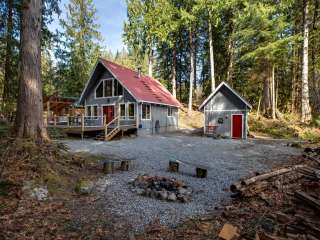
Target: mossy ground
{"points": [[288, 127]]}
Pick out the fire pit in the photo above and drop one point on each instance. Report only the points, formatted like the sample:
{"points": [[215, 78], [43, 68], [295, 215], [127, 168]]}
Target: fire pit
{"points": [[162, 188]]}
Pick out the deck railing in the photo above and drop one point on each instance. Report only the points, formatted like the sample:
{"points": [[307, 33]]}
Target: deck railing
{"points": [[87, 121], [75, 121]]}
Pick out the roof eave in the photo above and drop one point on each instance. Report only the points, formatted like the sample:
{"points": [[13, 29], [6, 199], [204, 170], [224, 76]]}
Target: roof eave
{"points": [[217, 89]]}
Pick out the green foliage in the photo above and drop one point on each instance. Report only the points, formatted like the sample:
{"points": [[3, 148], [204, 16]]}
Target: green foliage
{"points": [[79, 47]]}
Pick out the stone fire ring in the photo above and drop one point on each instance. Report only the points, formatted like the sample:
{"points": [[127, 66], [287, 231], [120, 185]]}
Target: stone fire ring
{"points": [[162, 188]]}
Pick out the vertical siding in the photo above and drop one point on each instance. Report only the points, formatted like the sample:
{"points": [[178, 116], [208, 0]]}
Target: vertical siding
{"points": [[224, 129], [158, 113]]}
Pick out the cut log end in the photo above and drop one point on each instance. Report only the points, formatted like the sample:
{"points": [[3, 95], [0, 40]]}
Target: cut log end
{"points": [[173, 166]]}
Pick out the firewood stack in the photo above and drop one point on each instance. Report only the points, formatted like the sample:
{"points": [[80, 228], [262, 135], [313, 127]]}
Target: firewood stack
{"points": [[281, 204]]}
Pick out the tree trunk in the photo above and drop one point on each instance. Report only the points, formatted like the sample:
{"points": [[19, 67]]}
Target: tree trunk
{"points": [[213, 83], [231, 58], [267, 79], [8, 73], [294, 81], [150, 63], [273, 94], [174, 72], [192, 70], [29, 121], [305, 104]]}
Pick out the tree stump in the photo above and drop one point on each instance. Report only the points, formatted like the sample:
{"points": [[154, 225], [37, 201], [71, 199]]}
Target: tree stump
{"points": [[124, 165], [201, 172], [173, 166], [108, 167]]}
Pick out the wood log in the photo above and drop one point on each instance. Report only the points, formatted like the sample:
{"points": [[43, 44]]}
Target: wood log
{"points": [[201, 172], [124, 165], [173, 166], [312, 202], [239, 185], [108, 167], [314, 159]]}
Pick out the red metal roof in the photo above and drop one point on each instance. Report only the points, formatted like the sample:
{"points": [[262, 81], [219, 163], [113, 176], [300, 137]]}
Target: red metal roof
{"points": [[143, 88]]}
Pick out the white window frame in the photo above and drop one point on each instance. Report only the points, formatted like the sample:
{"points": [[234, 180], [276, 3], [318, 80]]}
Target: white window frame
{"points": [[125, 111], [169, 109], [142, 112], [127, 117], [134, 111], [103, 88], [91, 110], [95, 89]]}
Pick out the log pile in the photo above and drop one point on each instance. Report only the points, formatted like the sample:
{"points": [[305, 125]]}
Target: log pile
{"points": [[281, 204]]}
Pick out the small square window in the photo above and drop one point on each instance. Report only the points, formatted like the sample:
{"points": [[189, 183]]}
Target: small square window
{"points": [[220, 120], [170, 112]]}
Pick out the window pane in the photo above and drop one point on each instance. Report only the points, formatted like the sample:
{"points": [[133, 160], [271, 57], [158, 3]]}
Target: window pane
{"points": [[89, 111], [99, 90], [122, 110], [146, 111], [108, 88], [131, 110], [169, 111], [95, 111], [120, 90]]}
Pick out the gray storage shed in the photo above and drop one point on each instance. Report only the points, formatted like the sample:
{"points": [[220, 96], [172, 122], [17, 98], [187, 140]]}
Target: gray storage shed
{"points": [[225, 113]]}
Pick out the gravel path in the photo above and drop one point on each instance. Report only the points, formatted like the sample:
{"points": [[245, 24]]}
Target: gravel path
{"points": [[228, 160]]}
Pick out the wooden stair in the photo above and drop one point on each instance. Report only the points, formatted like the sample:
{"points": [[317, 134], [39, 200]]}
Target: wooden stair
{"points": [[112, 134]]}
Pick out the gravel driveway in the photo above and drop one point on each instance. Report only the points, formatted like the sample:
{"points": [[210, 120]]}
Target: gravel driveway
{"points": [[228, 160]]}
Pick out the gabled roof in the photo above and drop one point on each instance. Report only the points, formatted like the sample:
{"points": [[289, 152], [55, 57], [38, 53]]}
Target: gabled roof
{"points": [[217, 89], [143, 88]]}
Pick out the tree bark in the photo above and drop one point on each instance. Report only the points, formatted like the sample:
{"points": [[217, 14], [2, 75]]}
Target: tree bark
{"points": [[267, 80], [29, 121], [305, 104], [174, 72], [8, 73], [231, 58], [213, 83], [192, 70], [294, 81], [273, 94], [150, 63]]}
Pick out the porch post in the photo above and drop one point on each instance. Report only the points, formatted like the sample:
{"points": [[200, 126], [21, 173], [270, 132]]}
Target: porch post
{"points": [[82, 126]]}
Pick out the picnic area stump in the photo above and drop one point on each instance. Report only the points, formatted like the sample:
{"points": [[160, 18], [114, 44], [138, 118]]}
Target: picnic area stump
{"points": [[201, 172], [124, 165], [108, 167], [173, 166]]}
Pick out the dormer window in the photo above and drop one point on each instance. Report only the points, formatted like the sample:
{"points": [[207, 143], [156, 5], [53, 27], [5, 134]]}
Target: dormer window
{"points": [[109, 88]]}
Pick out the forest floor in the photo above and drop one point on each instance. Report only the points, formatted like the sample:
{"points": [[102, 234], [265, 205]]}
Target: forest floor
{"points": [[67, 213]]}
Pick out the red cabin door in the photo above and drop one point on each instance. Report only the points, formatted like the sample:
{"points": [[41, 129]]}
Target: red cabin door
{"points": [[108, 111], [237, 126]]}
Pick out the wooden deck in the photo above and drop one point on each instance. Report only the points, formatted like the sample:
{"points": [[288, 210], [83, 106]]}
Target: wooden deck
{"points": [[84, 125], [79, 130]]}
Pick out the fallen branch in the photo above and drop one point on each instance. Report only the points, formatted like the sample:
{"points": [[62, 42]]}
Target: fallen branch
{"points": [[238, 186], [314, 203]]}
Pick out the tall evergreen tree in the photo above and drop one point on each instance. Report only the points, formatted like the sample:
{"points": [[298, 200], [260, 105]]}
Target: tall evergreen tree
{"points": [[82, 45]]}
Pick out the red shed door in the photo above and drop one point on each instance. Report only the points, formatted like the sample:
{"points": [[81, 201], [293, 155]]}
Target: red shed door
{"points": [[108, 111], [237, 126]]}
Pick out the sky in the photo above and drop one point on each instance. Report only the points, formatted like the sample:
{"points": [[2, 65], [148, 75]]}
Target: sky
{"points": [[111, 15]]}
